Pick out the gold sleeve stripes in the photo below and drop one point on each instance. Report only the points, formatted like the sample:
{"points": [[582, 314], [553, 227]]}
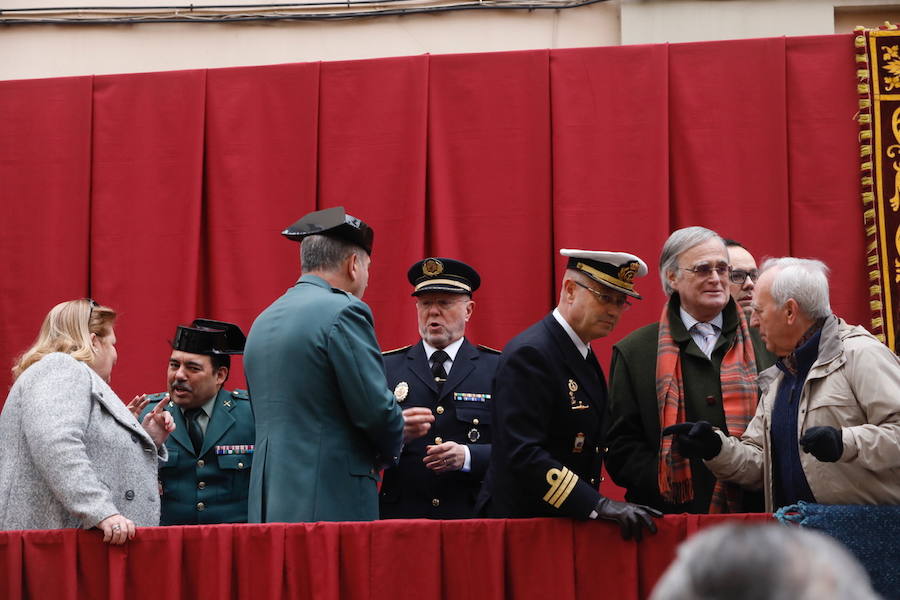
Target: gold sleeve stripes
{"points": [[561, 485]]}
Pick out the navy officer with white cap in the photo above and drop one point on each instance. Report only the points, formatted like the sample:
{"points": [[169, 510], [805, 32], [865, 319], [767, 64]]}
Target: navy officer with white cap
{"points": [[550, 403], [439, 476]]}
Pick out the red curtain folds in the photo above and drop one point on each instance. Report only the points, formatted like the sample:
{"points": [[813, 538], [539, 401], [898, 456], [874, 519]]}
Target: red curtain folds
{"points": [[45, 194], [530, 558], [260, 176], [163, 194], [146, 214]]}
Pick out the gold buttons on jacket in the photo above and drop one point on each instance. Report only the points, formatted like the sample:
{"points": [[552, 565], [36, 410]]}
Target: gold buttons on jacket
{"points": [[438, 440], [435, 502], [475, 421], [440, 410], [201, 506], [201, 485], [240, 465], [200, 463]]}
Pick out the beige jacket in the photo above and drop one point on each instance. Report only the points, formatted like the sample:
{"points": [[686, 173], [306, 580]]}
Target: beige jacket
{"points": [[854, 385]]}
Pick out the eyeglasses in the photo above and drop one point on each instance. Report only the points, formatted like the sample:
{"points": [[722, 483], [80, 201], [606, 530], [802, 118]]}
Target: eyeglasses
{"points": [[740, 275], [621, 303], [705, 270], [442, 304], [93, 304]]}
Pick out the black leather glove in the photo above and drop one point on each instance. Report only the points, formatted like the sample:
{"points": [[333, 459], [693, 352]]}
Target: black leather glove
{"points": [[695, 440], [823, 442], [632, 518]]}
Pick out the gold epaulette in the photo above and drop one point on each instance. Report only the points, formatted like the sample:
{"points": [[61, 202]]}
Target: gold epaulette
{"points": [[396, 350], [488, 349]]}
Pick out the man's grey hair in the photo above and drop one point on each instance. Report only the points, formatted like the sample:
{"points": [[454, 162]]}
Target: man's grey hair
{"points": [[803, 279], [325, 253], [679, 242], [772, 561]]}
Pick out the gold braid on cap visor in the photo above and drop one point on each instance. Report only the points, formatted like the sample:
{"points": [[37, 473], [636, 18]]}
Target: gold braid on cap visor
{"points": [[458, 284], [604, 277]]}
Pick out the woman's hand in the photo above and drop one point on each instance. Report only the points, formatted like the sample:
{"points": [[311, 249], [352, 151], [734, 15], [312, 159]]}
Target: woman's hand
{"points": [[137, 405], [159, 423], [116, 529]]}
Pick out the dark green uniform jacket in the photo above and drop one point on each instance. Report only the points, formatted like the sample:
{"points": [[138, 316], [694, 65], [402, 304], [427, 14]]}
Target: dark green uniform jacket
{"points": [[633, 455], [210, 488], [325, 418]]}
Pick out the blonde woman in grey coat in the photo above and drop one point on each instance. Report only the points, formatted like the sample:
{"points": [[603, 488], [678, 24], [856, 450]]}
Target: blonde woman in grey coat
{"points": [[73, 455]]}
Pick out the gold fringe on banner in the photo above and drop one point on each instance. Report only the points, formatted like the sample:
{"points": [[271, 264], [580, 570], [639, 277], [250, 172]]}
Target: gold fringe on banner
{"points": [[877, 59], [867, 181]]}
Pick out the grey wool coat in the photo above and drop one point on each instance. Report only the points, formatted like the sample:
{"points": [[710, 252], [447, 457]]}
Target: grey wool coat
{"points": [[71, 453]]}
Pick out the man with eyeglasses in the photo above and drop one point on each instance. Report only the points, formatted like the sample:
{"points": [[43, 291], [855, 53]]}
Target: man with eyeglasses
{"points": [[827, 429], [438, 476], [550, 404], [744, 274], [698, 363]]}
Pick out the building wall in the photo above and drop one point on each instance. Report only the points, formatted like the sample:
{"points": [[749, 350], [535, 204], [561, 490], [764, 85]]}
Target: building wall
{"points": [[29, 51]]}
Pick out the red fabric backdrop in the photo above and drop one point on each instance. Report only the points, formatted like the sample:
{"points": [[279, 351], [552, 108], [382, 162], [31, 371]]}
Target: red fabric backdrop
{"points": [[162, 194]]}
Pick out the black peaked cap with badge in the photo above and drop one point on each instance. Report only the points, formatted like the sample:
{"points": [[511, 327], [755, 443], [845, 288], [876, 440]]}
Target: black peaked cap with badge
{"points": [[437, 274], [615, 270], [333, 222], [206, 336]]}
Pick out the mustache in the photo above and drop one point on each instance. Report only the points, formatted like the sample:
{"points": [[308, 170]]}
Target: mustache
{"points": [[184, 387]]}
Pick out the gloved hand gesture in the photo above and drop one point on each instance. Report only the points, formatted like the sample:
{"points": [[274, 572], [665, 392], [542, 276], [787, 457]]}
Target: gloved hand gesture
{"points": [[823, 442], [632, 518], [695, 440]]}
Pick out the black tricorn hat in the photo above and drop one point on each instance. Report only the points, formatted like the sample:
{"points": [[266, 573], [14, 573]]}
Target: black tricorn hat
{"points": [[206, 336], [333, 222], [437, 274]]}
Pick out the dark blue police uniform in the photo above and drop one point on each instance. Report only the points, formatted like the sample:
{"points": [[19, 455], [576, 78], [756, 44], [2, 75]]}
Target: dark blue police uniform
{"points": [[462, 414]]}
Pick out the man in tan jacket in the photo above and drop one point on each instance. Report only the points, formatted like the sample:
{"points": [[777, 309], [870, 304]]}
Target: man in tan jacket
{"points": [[827, 428]]}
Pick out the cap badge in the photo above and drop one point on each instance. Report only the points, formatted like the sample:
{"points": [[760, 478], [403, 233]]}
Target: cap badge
{"points": [[432, 267], [628, 272], [401, 391]]}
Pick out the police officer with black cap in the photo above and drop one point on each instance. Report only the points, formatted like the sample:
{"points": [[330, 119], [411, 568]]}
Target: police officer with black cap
{"points": [[550, 403], [439, 476], [207, 476], [326, 421]]}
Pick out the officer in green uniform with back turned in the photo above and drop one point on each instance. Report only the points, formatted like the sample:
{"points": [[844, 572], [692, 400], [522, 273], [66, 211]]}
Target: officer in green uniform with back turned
{"points": [[207, 476]]}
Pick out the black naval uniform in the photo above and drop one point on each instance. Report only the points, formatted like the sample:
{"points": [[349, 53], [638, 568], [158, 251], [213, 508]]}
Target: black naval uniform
{"points": [[462, 414], [212, 487], [549, 408]]}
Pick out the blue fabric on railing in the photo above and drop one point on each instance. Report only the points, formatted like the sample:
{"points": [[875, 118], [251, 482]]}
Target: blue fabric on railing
{"points": [[871, 533]]}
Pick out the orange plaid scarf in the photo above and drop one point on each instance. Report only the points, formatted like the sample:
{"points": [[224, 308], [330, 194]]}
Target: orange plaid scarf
{"points": [[739, 399]]}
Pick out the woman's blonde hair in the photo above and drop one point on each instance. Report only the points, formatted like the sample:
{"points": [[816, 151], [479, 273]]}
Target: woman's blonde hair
{"points": [[68, 328]]}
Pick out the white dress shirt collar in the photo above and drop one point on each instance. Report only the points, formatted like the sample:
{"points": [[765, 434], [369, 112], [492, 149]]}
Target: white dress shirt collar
{"points": [[451, 351], [579, 345]]}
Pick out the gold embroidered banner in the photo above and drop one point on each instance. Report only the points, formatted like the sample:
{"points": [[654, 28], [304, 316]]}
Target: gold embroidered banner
{"points": [[878, 59]]}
